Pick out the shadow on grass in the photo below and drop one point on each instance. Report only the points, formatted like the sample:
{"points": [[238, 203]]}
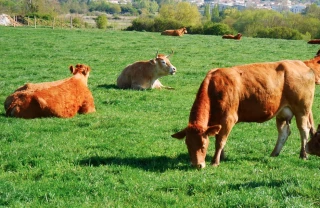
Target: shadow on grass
{"points": [[155, 164], [109, 86]]}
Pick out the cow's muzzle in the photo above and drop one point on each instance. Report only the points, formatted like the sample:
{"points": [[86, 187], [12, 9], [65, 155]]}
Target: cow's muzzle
{"points": [[173, 70], [198, 166]]}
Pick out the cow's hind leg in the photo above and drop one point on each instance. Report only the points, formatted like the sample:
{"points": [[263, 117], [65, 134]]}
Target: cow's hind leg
{"points": [[304, 127], [283, 120], [283, 127]]}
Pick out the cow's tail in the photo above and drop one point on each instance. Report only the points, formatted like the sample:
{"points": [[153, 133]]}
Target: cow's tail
{"points": [[311, 124]]}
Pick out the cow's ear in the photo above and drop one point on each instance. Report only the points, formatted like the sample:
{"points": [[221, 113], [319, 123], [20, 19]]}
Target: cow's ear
{"points": [[153, 61], [213, 130], [71, 69], [180, 135], [86, 70]]}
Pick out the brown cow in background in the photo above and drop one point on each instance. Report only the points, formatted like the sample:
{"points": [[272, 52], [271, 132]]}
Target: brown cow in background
{"points": [[250, 93], [62, 98], [314, 41], [143, 75], [178, 32], [235, 37]]}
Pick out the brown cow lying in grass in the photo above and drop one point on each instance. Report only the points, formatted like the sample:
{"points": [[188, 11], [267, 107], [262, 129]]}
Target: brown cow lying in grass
{"points": [[143, 75], [235, 37], [62, 98], [314, 41], [178, 32]]}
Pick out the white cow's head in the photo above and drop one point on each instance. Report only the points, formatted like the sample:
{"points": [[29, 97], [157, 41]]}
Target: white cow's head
{"points": [[163, 64]]}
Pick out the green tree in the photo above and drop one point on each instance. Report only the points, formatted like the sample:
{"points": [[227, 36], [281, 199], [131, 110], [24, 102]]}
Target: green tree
{"points": [[215, 15], [102, 21], [113, 9], [207, 15], [312, 11], [187, 14]]}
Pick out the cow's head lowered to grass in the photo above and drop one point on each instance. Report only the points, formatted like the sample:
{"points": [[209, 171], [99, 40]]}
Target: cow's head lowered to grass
{"points": [[313, 146], [197, 141]]}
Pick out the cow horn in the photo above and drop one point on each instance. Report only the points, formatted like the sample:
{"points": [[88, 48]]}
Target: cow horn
{"points": [[157, 54], [170, 54]]}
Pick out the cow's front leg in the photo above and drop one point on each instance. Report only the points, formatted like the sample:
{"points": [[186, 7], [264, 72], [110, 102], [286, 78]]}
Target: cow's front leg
{"points": [[221, 140], [283, 127]]}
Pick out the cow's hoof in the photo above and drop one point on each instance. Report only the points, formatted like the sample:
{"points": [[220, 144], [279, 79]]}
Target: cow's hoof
{"points": [[214, 164]]}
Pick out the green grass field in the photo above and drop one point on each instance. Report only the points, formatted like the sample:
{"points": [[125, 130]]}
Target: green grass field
{"points": [[123, 155]]}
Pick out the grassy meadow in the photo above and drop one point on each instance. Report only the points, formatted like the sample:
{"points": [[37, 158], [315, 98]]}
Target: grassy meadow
{"points": [[123, 155]]}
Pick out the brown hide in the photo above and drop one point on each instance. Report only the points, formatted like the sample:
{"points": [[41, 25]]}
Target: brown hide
{"points": [[235, 37], [62, 98], [249, 93], [178, 32], [143, 75], [314, 41], [313, 146], [314, 64]]}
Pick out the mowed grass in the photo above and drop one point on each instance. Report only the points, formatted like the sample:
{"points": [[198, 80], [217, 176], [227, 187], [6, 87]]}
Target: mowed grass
{"points": [[123, 155]]}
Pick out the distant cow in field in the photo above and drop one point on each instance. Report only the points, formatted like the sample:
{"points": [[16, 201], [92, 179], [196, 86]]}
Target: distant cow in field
{"points": [[250, 93], [62, 98], [178, 32], [314, 41], [235, 37], [143, 75]]}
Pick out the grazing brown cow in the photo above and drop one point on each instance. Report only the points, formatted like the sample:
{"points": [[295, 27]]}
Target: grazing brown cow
{"points": [[314, 41], [62, 98], [178, 32], [143, 75], [313, 146], [235, 37], [249, 93]]}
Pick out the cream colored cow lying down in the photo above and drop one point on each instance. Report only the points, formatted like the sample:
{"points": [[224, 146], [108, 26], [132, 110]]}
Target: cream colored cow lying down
{"points": [[143, 75]]}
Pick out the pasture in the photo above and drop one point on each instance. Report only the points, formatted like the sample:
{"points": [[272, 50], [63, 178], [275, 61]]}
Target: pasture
{"points": [[123, 155]]}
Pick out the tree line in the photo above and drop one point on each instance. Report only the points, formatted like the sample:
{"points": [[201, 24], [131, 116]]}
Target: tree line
{"points": [[158, 15], [250, 22]]}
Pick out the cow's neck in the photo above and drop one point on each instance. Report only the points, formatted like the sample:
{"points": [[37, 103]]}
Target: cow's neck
{"points": [[81, 78], [200, 111], [314, 65]]}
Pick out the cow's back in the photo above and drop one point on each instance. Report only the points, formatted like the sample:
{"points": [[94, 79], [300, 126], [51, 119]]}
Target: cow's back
{"points": [[66, 99], [255, 92], [62, 100], [138, 72]]}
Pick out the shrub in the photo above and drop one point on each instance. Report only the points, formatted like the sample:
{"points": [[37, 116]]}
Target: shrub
{"points": [[197, 29], [279, 33], [142, 24], [102, 21], [211, 28], [161, 24]]}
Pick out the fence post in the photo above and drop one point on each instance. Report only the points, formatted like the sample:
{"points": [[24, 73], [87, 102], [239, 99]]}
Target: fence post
{"points": [[70, 21], [35, 22]]}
